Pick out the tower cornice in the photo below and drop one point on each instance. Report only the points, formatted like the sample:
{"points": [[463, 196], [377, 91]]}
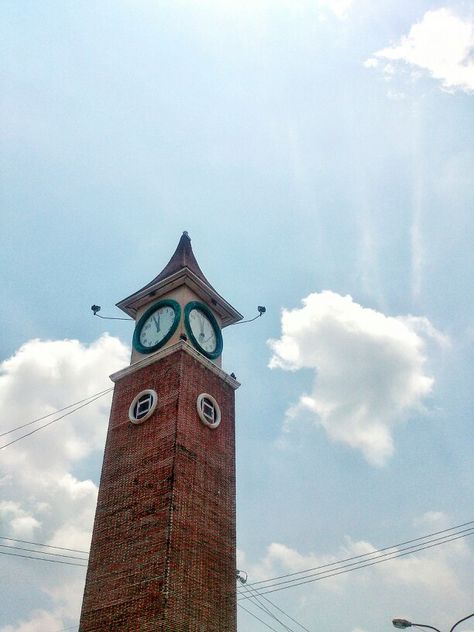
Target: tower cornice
{"points": [[181, 345], [228, 314]]}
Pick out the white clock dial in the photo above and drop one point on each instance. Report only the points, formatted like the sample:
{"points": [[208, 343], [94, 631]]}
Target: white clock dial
{"points": [[157, 326], [203, 331]]}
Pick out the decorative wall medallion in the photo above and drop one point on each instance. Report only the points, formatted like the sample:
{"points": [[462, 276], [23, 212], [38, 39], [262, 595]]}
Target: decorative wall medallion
{"points": [[143, 406], [208, 410]]}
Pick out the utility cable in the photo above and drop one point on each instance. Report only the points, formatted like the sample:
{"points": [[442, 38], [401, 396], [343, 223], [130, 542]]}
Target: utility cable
{"points": [[343, 569], [256, 601], [49, 546], [60, 410], [19, 548], [53, 421], [42, 559], [387, 556], [282, 611], [366, 555], [258, 618]]}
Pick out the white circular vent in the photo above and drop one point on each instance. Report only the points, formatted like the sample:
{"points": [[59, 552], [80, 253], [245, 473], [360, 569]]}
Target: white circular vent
{"points": [[142, 406], [208, 410]]}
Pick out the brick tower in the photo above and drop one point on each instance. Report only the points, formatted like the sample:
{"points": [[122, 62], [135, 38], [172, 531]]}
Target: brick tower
{"points": [[162, 556]]}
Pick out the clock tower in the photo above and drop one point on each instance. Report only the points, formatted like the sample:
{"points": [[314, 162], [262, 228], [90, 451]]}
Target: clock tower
{"points": [[162, 555]]}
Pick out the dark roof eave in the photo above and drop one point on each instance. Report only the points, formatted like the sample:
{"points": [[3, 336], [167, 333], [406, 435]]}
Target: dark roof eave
{"points": [[163, 284]]}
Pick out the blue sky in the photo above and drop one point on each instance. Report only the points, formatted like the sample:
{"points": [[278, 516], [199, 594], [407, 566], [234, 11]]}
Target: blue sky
{"points": [[314, 150]]}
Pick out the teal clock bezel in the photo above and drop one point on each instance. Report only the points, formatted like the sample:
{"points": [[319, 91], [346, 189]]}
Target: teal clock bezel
{"points": [[166, 302], [215, 325]]}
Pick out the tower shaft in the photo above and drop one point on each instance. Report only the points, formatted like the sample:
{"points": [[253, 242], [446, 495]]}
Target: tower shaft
{"points": [[163, 547]]}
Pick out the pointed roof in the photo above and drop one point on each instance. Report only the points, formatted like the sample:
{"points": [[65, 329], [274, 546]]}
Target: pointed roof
{"points": [[183, 257], [181, 269]]}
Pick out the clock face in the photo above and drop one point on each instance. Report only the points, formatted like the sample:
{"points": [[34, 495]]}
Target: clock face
{"points": [[156, 326], [203, 329]]}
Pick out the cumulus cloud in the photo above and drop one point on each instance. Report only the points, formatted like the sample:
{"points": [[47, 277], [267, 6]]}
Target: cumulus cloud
{"points": [[43, 498], [442, 44], [369, 369]]}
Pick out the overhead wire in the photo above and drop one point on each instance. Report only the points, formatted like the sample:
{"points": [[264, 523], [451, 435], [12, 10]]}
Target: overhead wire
{"points": [[59, 410], [361, 564], [262, 591], [429, 542], [42, 559], [255, 617], [256, 601], [49, 546], [370, 553], [20, 548], [345, 569], [54, 420], [283, 612]]}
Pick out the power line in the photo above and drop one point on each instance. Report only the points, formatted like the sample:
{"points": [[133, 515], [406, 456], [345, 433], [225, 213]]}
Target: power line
{"points": [[43, 559], [273, 580], [356, 565], [264, 608], [53, 421], [283, 612], [366, 555], [344, 569], [60, 410], [20, 548], [258, 618], [49, 546]]}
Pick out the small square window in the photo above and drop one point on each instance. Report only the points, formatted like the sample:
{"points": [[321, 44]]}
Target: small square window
{"points": [[142, 406], [208, 410]]}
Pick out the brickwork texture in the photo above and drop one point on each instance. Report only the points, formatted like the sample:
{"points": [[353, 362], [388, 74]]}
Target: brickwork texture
{"points": [[163, 547]]}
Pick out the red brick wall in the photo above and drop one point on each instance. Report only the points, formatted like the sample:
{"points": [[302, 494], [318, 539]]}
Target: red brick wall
{"points": [[163, 547]]}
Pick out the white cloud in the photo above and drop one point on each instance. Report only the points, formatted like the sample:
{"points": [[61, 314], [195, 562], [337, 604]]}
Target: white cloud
{"points": [[371, 63], [369, 369], [22, 524], [42, 497], [40, 621], [441, 44]]}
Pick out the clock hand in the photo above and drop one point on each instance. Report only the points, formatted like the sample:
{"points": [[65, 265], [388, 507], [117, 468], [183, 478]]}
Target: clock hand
{"points": [[157, 323]]}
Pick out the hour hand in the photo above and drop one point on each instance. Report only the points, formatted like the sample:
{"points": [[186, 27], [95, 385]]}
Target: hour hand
{"points": [[157, 323]]}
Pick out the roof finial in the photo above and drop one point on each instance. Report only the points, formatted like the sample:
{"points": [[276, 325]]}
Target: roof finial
{"points": [[186, 234]]}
